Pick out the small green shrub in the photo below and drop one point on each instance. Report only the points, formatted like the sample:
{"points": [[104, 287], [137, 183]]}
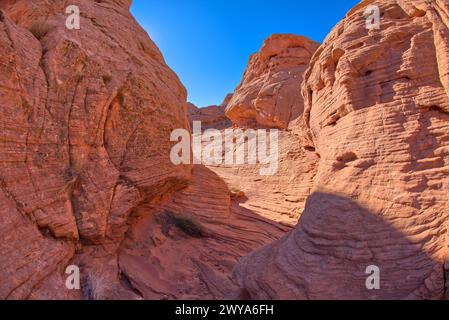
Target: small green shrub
{"points": [[185, 224]]}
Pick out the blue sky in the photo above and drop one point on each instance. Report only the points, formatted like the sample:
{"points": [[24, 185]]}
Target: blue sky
{"points": [[208, 42]]}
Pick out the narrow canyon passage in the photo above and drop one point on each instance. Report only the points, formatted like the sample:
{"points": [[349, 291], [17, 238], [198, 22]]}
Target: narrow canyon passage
{"points": [[188, 247], [88, 180]]}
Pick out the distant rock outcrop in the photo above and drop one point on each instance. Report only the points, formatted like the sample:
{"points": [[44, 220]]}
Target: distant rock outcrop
{"points": [[269, 94], [211, 116], [377, 113]]}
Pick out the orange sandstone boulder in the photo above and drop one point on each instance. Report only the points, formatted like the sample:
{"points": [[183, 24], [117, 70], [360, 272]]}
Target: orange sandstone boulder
{"points": [[377, 113], [269, 94]]}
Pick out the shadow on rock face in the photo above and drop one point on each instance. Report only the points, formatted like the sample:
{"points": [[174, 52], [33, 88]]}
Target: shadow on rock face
{"points": [[327, 255], [187, 248]]}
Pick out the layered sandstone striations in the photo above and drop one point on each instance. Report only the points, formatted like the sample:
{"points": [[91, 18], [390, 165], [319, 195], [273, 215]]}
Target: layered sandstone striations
{"points": [[85, 120], [279, 197], [377, 113], [269, 93], [188, 247]]}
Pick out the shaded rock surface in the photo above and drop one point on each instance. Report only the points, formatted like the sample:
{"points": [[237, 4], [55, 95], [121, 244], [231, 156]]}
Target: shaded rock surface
{"points": [[269, 93], [187, 248], [376, 112]]}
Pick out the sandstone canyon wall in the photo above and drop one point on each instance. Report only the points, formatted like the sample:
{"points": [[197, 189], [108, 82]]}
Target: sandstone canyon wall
{"points": [[377, 115], [86, 117]]}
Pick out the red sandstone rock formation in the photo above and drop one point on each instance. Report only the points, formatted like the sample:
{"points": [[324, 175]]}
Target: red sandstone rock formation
{"points": [[187, 248], [85, 116], [377, 113], [211, 116], [280, 197], [269, 94], [85, 176]]}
